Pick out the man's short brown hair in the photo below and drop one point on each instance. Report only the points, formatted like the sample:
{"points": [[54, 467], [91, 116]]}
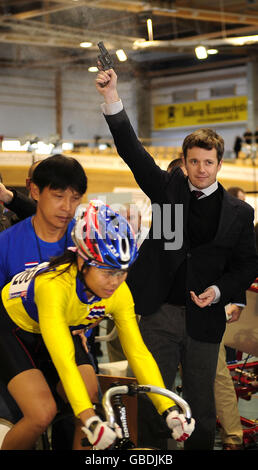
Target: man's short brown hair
{"points": [[206, 139]]}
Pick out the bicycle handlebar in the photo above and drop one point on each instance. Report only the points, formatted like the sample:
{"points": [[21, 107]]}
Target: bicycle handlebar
{"points": [[135, 389]]}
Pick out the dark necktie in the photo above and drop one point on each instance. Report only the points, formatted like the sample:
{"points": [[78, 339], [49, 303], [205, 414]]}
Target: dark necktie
{"points": [[197, 194]]}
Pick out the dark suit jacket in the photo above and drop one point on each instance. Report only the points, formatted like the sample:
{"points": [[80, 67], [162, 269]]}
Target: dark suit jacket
{"points": [[21, 205], [229, 261]]}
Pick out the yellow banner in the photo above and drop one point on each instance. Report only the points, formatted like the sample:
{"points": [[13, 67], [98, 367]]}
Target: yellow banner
{"points": [[199, 113]]}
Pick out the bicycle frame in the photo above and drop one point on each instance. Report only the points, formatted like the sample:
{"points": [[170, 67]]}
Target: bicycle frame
{"points": [[246, 385]]}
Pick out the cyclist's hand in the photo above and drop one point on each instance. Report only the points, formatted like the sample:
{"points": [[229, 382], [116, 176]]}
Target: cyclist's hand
{"points": [[81, 333], [181, 430], [99, 433]]}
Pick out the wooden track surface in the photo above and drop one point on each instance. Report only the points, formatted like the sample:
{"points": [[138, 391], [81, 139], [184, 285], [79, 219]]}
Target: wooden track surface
{"points": [[99, 180], [102, 180]]}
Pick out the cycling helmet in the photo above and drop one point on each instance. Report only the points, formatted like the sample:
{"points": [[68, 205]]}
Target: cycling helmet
{"points": [[104, 238]]}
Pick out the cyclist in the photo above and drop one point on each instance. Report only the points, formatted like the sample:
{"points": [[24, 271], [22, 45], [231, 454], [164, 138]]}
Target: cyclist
{"points": [[38, 311], [59, 183]]}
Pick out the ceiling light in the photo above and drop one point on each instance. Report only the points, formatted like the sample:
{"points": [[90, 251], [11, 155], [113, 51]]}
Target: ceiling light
{"points": [[150, 29], [142, 43], [121, 55], [240, 41], [201, 52], [212, 51], [93, 69], [67, 146], [86, 44], [10, 145], [43, 148]]}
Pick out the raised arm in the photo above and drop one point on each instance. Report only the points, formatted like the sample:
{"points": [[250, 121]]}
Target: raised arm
{"points": [[149, 176], [17, 202]]}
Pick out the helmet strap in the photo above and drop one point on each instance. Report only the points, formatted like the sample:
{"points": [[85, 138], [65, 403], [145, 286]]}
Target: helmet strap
{"points": [[81, 277]]}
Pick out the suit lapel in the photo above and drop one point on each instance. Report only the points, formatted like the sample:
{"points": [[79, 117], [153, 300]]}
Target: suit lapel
{"points": [[227, 216], [186, 198]]}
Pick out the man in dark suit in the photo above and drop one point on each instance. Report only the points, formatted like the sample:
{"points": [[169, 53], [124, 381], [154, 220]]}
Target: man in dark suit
{"points": [[181, 287]]}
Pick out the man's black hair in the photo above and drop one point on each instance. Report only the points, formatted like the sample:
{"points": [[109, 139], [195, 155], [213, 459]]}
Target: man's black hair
{"points": [[60, 172]]}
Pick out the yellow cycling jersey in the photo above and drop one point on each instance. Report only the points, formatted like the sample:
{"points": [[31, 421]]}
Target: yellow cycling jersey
{"points": [[56, 301]]}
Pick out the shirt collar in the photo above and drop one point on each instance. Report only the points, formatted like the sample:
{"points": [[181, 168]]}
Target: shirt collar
{"points": [[206, 191]]}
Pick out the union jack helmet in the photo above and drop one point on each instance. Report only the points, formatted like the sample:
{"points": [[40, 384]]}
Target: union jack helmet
{"points": [[104, 238]]}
